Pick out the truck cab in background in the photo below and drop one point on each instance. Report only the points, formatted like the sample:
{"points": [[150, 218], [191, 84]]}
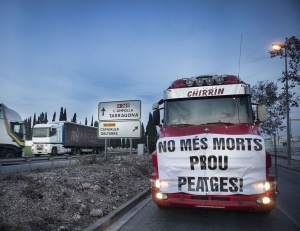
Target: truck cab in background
{"points": [[12, 133], [47, 139]]}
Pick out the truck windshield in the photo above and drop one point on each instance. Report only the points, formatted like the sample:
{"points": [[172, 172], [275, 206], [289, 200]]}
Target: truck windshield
{"points": [[197, 111], [41, 132]]}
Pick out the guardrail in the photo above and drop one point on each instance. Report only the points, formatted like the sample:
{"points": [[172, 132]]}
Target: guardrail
{"points": [[42, 160]]}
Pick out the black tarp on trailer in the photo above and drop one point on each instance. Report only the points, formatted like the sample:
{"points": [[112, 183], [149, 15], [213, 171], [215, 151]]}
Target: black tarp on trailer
{"points": [[77, 135]]}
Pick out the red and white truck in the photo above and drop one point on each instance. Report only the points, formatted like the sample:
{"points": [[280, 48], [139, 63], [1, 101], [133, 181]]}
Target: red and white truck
{"points": [[210, 153]]}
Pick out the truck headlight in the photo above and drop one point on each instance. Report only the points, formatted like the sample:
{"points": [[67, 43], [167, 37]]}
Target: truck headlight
{"points": [[189, 82], [209, 81], [162, 196], [219, 80], [270, 186], [199, 82], [264, 200], [154, 183]]}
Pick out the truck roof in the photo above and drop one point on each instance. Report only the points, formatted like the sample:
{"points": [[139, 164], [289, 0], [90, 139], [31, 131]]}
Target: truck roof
{"points": [[206, 86], [228, 79], [11, 115]]}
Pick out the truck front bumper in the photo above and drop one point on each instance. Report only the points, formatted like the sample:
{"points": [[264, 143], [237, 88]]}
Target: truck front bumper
{"points": [[253, 203]]}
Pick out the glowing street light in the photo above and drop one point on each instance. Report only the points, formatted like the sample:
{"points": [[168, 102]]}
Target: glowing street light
{"points": [[288, 138]]}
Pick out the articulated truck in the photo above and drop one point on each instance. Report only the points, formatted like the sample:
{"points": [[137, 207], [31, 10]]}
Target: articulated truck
{"points": [[56, 138], [12, 135], [210, 153]]}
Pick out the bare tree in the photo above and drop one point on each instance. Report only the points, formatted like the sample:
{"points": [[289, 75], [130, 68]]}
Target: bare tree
{"points": [[291, 50], [265, 92]]}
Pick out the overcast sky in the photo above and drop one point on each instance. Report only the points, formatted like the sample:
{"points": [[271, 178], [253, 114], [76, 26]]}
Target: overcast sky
{"points": [[75, 54]]}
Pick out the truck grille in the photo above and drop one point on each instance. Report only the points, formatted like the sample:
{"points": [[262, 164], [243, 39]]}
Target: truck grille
{"points": [[39, 147]]}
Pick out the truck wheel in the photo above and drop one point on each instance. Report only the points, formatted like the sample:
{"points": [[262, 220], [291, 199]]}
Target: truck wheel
{"points": [[74, 151], [9, 154], [54, 151]]}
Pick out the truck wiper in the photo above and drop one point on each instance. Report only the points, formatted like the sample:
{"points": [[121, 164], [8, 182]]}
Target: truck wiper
{"points": [[219, 122]]}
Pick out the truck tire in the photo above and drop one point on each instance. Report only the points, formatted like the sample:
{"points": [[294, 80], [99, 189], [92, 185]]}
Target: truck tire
{"points": [[54, 151], [9, 154], [73, 151]]}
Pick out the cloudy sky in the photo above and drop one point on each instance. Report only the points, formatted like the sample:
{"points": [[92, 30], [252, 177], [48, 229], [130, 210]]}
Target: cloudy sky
{"points": [[75, 54]]}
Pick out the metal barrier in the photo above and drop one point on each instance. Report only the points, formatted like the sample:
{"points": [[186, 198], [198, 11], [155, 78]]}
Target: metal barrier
{"points": [[44, 159]]}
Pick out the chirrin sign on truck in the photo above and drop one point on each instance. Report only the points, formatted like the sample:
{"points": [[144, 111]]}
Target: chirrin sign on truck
{"points": [[210, 153]]}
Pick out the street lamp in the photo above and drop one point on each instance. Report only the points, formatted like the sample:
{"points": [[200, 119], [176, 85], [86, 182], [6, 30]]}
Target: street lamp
{"points": [[288, 138]]}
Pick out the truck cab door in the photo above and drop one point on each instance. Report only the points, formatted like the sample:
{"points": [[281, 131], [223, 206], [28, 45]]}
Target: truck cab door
{"points": [[54, 135]]}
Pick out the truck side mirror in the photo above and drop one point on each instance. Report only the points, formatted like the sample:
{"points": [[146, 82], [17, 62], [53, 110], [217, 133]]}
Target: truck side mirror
{"points": [[156, 117], [262, 113]]}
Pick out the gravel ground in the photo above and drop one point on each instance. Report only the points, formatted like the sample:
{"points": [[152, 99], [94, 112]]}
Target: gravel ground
{"points": [[70, 198]]}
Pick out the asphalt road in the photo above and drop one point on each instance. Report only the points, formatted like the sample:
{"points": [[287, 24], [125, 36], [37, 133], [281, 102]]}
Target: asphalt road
{"points": [[285, 217]]}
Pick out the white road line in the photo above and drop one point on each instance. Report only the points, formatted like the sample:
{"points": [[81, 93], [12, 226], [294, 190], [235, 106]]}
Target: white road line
{"points": [[118, 224], [289, 170], [291, 218]]}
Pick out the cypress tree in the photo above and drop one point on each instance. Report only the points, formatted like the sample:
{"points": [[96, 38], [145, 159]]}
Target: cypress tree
{"points": [[127, 145], [65, 115], [25, 121], [34, 120], [45, 119], [30, 128], [61, 115], [119, 144], [54, 116], [74, 120], [151, 132]]}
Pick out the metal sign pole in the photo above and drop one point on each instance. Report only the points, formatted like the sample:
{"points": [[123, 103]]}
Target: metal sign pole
{"points": [[105, 152]]}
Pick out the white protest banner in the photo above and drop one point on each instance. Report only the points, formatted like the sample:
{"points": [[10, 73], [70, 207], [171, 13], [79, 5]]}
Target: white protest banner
{"points": [[212, 164]]}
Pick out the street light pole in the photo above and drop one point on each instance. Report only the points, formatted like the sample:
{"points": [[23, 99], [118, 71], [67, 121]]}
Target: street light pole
{"points": [[288, 136]]}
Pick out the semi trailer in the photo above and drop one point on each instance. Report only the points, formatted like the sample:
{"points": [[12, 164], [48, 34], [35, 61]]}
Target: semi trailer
{"points": [[56, 138]]}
